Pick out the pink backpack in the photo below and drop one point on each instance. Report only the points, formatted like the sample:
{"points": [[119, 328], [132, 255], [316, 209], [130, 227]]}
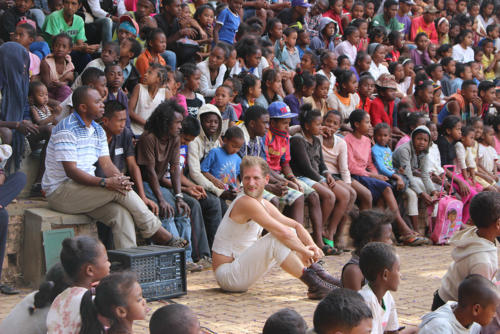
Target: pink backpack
{"points": [[449, 215]]}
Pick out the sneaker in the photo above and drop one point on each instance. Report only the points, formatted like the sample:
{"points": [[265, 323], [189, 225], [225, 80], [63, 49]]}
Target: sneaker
{"points": [[193, 267], [205, 262]]}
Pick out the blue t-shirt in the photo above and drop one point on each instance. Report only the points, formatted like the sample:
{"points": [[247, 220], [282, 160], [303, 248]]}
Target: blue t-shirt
{"points": [[223, 166], [294, 105], [382, 158], [230, 23]]}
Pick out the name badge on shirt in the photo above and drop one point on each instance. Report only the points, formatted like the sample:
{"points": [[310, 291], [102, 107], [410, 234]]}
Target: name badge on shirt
{"points": [[119, 151]]}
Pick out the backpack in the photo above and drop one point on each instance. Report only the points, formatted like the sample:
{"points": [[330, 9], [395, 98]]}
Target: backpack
{"points": [[449, 215]]}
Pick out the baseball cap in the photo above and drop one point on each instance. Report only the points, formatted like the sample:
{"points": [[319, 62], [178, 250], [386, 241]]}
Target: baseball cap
{"points": [[300, 3], [408, 2], [129, 24], [430, 9], [279, 109], [386, 81]]}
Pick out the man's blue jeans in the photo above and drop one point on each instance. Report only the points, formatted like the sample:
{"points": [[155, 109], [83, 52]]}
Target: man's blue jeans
{"points": [[179, 225]]}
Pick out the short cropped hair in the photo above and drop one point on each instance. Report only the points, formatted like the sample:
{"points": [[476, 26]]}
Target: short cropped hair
{"points": [[91, 75], [191, 126], [172, 319], [254, 113], [476, 289], [80, 95], [110, 107], [341, 309], [485, 208], [285, 321], [234, 132], [253, 161], [374, 258]]}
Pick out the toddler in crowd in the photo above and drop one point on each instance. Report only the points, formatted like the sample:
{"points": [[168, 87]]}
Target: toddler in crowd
{"points": [[367, 226], [227, 22], [41, 113], [222, 164], [487, 156], [477, 301], [475, 250], [85, 263], [56, 70], [222, 96], [251, 89], [288, 52]]}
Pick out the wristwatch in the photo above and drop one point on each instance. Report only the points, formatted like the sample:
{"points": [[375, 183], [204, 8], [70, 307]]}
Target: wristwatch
{"points": [[102, 183], [179, 196]]}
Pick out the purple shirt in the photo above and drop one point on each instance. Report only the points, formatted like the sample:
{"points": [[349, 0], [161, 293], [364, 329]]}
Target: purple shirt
{"points": [[420, 58], [406, 21]]}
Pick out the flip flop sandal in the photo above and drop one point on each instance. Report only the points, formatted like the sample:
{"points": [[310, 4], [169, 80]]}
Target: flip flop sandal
{"points": [[328, 242], [328, 251], [412, 240], [178, 242]]}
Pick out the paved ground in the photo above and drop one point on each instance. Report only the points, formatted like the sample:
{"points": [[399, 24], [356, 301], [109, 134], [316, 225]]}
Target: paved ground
{"points": [[224, 313]]}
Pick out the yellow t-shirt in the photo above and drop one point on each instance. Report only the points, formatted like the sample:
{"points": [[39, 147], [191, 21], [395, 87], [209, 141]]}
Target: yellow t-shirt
{"points": [[487, 61]]}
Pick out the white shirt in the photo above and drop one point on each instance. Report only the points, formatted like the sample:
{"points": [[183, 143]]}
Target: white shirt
{"points": [[488, 157], [383, 319], [98, 12], [206, 87], [377, 71], [332, 80], [434, 160], [346, 48], [462, 55], [443, 321]]}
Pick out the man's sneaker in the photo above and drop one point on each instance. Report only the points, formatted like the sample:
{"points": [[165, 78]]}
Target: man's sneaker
{"points": [[318, 288], [193, 267], [205, 262]]}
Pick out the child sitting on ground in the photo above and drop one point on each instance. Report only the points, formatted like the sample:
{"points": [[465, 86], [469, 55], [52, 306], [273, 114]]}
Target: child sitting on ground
{"points": [[222, 164], [235, 85], [364, 171], [175, 82], [380, 265], [174, 319], [475, 250], [118, 302], [56, 70], [147, 96], [222, 97], [110, 55], [465, 162], [85, 262], [483, 177], [192, 77], [477, 300], [367, 226], [288, 54], [487, 156], [342, 311], [251, 89], [285, 321]]}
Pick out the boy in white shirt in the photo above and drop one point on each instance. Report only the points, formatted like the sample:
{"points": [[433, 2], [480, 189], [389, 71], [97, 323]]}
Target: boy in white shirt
{"points": [[380, 265], [477, 301]]}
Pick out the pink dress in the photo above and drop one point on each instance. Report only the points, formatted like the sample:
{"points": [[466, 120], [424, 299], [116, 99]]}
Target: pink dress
{"points": [[62, 92]]}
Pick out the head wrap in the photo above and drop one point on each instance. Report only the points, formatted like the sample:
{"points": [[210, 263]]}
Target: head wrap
{"points": [[126, 25]]}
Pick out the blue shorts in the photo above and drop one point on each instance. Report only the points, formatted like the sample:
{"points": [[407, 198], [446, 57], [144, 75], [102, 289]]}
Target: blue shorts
{"points": [[375, 186]]}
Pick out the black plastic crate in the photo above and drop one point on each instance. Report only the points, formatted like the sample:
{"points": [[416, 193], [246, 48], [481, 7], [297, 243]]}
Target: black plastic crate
{"points": [[160, 270]]}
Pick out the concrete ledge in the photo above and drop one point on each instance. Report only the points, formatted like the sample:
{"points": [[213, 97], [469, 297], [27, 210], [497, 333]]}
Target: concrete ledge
{"points": [[38, 220]]}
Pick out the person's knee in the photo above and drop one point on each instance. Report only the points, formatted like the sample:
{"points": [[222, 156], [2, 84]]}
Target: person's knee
{"points": [[313, 199], [299, 202], [342, 195]]}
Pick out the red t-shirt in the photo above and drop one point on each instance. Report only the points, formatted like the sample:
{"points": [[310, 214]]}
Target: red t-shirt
{"points": [[418, 25], [378, 113], [277, 146]]}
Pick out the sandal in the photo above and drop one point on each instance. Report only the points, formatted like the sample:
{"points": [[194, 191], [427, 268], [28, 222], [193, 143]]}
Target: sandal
{"points": [[328, 242], [177, 242], [327, 250], [8, 290], [412, 240]]}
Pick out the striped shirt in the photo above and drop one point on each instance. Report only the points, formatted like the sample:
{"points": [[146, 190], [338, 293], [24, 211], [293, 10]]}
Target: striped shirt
{"points": [[71, 140]]}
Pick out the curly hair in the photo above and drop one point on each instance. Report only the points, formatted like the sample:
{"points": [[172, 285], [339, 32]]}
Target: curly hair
{"points": [[162, 117]]}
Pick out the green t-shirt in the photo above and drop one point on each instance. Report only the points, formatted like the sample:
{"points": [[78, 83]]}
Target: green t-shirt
{"points": [[392, 25], [54, 24]]}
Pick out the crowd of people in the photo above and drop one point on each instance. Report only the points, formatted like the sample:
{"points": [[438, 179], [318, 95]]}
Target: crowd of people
{"points": [[200, 125]]}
